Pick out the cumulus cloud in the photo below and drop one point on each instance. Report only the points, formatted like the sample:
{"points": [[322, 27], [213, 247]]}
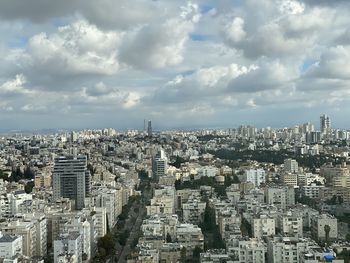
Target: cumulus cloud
{"points": [[14, 86], [80, 48], [205, 82], [159, 45], [267, 75], [334, 64], [287, 29]]}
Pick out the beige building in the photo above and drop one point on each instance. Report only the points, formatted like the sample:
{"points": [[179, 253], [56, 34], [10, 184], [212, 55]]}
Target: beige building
{"points": [[290, 179], [43, 180], [263, 226], [189, 236], [291, 225]]}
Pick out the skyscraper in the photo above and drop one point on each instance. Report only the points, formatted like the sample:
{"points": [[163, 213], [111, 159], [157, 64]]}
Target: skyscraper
{"points": [[325, 123], [71, 179], [159, 165], [149, 128]]}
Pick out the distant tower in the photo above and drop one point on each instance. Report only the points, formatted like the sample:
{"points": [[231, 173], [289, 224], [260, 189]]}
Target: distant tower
{"points": [[144, 125], [71, 179], [159, 165], [325, 123], [149, 128]]}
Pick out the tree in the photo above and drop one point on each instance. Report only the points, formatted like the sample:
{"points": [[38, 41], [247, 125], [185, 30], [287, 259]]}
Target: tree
{"points": [[347, 237], [16, 175], [3, 175], [28, 174], [183, 254], [123, 237], [106, 244], [246, 228], [327, 229], [196, 253], [178, 162], [28, 188], [168, 238]]}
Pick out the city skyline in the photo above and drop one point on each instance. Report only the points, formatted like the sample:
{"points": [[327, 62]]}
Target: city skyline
{"points": [[184, 64]]}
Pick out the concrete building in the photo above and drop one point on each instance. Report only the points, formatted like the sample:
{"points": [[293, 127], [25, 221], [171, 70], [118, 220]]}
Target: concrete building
{"points": [[318, 227], [27, 230], [43, 180], [280, 196], [291, 166], [255, 176], [68, 246], [290, 179], [189, 236], [325, 123], [249, 251], [312, 191], [291, 225], [285, 249], [71, 179], [159, 165], [193, 211], [10, 246], [78, 225], [170, 252], [263, 226]]}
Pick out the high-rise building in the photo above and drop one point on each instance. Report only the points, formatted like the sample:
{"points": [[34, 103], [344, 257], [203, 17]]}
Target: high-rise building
{"points": [[159, 165], [149, 128], [325, 123], [71, 179], [291, 166]]}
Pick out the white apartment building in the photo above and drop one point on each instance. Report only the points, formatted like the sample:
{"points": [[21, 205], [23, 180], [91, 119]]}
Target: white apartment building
{"points": [[15, 199], [193, 211], [189, 236], [68, 245], [285, 249], [249, 251], [291, 225], [208, 171], [255, 176], [280, 196], [227, 219], [10, 246], [291, 166], [27, 230], [318, 224], [163, 201], [83, 227], [312, 191], [309, 178], [100, 215], [263, 226]]}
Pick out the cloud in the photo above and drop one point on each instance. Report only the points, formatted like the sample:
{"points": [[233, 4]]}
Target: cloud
{"points": [[80, 48], [14, 86], [160, 45], [268, 75], [203, 83], [334, 64], [287, 28]]}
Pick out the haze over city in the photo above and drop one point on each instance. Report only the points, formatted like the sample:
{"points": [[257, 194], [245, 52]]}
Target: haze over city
{"points": [[89, 64]]}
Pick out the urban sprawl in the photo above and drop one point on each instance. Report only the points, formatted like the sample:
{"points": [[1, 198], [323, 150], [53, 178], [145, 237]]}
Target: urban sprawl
{"points": [[243, 195]]}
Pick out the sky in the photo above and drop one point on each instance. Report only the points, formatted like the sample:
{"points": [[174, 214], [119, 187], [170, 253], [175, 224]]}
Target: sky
{"points": [[75, 64]]}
